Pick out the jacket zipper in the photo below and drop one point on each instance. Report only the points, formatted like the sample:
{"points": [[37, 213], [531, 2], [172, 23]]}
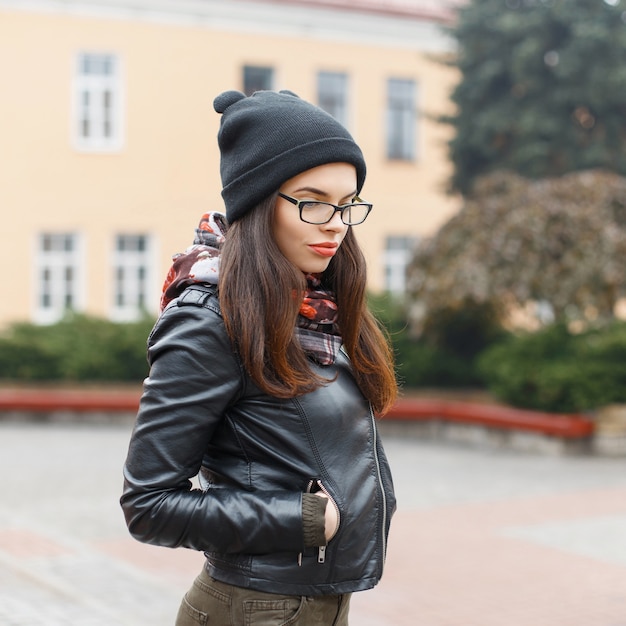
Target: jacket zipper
{"points": [[380, 483], [321, 554], [378, 472]]}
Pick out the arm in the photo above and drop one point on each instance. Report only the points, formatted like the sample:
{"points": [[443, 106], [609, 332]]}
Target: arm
{"points": [[194, 377]]}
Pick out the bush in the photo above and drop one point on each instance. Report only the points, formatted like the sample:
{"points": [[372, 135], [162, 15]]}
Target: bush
{"points": [[445, 353], [554, 370], [78, 348]]}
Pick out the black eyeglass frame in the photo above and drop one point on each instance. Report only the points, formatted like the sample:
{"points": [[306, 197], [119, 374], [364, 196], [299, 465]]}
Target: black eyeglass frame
{"points": [[341, 209]]}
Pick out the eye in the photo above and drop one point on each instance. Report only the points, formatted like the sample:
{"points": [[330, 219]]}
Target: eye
{"points": [[312, 205]]}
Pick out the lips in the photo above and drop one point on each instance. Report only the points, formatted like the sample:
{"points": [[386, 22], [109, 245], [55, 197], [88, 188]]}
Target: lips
{"points": [[324, 249]]}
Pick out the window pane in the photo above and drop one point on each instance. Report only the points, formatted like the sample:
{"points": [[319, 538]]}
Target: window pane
{"points": [[132, 275], [98, 101], [58, 270], [332, 94], [398, 254], [96, 64], [106, 113], [257, 79], [401, 119]]}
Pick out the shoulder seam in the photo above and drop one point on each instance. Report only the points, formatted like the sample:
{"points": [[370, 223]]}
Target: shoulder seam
{"points": [[200, 295]]}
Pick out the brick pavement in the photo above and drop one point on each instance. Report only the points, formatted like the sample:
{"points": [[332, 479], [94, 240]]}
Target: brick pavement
{"points": [[482, 538]]}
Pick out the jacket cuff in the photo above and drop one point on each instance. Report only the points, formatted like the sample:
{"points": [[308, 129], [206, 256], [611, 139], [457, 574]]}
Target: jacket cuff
{"points": [[314, 520]]}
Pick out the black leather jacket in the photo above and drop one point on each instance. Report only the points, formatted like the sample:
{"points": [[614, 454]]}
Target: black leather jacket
{"points": [[256, 455]]}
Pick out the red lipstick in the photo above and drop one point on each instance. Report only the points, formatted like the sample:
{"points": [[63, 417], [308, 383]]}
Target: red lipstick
{"points": [[324, 249]]}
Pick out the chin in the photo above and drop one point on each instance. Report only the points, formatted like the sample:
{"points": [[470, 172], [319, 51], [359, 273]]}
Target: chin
{"points": [[314, 268]]}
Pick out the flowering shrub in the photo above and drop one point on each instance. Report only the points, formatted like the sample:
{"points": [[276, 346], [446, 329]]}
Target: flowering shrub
{"points": [[557, 242]]}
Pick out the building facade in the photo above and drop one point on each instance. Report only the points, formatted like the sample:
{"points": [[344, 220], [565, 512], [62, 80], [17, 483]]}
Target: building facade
{"points": [[108, 152]]}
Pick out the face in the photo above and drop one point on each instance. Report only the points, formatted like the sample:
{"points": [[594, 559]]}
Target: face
{"points": [[310, 247]]}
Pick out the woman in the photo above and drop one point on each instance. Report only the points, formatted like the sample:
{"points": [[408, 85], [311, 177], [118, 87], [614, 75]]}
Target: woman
{"points": [[266, 369]]}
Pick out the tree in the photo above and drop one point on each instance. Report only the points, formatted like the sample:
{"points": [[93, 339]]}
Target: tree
{"points": [[542, 88], [560, 243]]}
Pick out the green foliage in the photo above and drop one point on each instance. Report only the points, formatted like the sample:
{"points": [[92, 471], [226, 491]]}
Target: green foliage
{"points": [[541, 88], [78, 348], [550, 370], [554, 370], [464, 330], [445, 353]]}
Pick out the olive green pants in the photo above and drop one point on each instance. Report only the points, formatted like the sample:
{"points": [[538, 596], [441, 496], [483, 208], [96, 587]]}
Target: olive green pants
{"points": [[215, 603]]}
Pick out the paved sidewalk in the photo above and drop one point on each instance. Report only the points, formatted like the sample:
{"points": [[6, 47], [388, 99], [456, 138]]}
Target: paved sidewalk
{"points": [[481, 538]]}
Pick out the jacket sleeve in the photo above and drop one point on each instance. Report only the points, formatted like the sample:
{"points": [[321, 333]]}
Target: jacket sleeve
{"points": [[194, 377]]}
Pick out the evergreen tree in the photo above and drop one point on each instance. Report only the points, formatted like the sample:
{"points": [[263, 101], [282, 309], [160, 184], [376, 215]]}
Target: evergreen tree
{"points": [[542, 89]]}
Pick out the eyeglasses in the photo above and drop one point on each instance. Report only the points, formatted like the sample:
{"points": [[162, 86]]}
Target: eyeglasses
{"points": [[314, 212]]}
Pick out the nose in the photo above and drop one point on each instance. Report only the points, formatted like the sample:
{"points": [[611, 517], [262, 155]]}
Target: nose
{"points": [[335, 224]]}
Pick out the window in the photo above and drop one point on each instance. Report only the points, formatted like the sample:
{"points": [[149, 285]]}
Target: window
{"points": [[332, 95], [257, 79], [131, 277], [398, 254], [401, 107], [58, 276], [97, 116]]}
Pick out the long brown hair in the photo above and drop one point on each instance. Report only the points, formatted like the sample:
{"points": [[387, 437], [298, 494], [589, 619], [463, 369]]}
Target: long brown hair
{"points": [[260, 320]]}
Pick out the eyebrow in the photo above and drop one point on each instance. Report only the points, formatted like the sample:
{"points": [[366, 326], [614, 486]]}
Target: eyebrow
{"points": [[321, 193]]}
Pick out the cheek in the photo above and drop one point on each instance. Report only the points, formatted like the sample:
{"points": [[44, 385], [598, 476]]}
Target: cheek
{"points": [[286, 232], [288, 226]]}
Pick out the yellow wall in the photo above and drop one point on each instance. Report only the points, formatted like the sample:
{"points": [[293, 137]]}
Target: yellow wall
{"points": [[166, 175]]}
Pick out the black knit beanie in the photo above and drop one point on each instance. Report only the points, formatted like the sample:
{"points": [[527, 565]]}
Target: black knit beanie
{"points": [[270, 137]]}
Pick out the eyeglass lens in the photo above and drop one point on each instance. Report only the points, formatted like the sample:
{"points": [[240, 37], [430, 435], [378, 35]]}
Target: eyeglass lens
{"points": [[322, 212]]}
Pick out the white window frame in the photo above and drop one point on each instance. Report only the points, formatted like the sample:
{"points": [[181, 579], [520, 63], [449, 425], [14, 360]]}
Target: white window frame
{"points": [[401, 125], [59, 286], [332, 94], [96, 126], [133, 281], [398, 253]]}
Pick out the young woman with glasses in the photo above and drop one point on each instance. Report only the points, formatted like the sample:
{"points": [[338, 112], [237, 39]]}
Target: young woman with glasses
{"points": [[266, 373]]}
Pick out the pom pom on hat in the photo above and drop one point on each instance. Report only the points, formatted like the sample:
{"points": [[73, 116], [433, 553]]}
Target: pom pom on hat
{"points": [[270, 137], [224, 100]]}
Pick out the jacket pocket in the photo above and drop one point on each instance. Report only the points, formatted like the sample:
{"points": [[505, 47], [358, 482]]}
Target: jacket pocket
{"points": [[317, 486]]}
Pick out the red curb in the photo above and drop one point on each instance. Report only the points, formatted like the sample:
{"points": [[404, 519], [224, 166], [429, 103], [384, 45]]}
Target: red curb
{"points": [[495, 416], [48, 400], [557, 424]]}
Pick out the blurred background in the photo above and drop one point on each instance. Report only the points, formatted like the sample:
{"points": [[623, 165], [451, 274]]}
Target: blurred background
{"points": [[494, 134], [109, 134]]}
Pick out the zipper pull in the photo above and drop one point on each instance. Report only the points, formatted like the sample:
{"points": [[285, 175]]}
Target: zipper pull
{"points": [[300, 559], [321, 555]]}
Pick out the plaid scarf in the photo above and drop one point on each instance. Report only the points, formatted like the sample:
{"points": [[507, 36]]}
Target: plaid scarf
{"points": [[316, 324]]}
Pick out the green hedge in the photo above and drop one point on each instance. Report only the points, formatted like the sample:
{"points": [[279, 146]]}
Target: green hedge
{"points": [[78, 348], [555, 370], [551, 370]]}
